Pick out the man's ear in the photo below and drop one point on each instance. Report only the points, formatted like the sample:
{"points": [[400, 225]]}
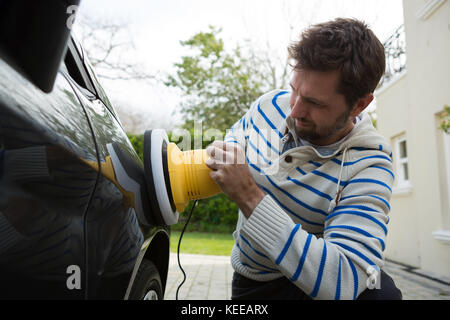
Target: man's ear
{"points": [[362, 104]]}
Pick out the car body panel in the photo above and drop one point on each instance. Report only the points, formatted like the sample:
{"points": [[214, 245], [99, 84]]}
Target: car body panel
{"points": [[46, 185], [70, 209]]}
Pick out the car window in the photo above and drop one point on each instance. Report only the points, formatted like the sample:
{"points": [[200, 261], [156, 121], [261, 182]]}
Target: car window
{"points": [[95, 81], [74, 67], [87, 75]]}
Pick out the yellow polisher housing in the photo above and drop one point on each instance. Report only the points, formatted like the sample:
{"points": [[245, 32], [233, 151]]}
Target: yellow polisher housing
{"points": [[189, 176]]}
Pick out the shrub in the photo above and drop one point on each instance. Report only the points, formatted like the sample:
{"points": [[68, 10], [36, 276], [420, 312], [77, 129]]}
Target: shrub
{"points": [[445, 120], [217, 214], [138, 143]]}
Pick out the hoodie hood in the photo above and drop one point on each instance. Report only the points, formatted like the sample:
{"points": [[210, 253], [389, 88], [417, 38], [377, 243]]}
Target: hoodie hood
{"points": [[363, 136]]}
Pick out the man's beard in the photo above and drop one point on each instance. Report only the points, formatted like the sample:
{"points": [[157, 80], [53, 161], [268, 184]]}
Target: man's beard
{"points": [[314, 135]]}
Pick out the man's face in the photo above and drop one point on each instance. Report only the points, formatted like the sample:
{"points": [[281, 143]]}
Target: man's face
{"points": [[320, 112]]}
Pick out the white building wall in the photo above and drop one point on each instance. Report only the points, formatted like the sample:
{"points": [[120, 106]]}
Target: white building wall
{"points": [[410, 106]]}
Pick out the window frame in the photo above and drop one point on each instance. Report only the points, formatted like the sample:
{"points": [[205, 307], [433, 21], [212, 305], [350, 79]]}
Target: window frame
{"points": [[403, 183], [443, 143], [86, 86]]}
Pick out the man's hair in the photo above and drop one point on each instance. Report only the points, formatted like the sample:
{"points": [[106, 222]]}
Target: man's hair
{"points": [[346, 45]]}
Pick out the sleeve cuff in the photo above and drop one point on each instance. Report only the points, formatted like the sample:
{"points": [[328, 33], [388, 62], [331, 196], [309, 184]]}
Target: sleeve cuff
{"points": [[267, 223]]}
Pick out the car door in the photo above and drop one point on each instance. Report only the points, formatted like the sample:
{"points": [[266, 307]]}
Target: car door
{"points": [[46, 187], [116, 225]]}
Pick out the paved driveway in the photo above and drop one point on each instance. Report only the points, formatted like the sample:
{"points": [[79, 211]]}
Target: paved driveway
{"points": [[209, 278]]}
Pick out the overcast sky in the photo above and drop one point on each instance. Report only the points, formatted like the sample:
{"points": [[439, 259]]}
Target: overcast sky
{"points": [[157, 26]]}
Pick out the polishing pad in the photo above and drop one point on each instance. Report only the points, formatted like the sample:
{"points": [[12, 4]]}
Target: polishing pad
{"points": [[156, 173]]}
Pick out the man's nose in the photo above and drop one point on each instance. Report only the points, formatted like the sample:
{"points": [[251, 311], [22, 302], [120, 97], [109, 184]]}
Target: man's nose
{"points": [[299, 110]]}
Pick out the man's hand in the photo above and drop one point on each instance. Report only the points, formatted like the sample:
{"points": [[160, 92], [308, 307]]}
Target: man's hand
{"points": [[230, 171]]}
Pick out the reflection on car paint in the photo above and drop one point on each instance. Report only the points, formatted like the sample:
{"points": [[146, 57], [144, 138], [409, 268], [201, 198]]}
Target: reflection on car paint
{"points": [[111, 213], [45, 188], [61, 206], [107, 170]]}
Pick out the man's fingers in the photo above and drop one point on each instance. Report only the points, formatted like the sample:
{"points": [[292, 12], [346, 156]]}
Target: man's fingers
{"points": [[226, 153], [211, 151], [213, 164], [226, 146], [219, 144], [218, 154], [215, 175]]}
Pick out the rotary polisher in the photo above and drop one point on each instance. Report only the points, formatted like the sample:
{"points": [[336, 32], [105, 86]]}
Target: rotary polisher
{"points": [[174, 177]]}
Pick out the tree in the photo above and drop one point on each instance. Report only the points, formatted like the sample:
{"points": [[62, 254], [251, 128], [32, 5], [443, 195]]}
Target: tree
{"points": [[218, 86], [108, 45], [110, 48]]}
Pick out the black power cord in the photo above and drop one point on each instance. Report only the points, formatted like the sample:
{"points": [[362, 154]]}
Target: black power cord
{"points": [[178, 249]]}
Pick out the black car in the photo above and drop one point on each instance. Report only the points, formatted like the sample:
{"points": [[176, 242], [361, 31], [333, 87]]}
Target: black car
{"points": [[70, 226]]}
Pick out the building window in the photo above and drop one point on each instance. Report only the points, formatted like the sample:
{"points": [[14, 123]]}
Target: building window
{"points": [[403, 179], [446, 138], [402, 161], [443, 155]]}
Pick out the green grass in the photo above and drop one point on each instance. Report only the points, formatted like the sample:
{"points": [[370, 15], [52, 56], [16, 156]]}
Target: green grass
{"points": [[217, 244]]}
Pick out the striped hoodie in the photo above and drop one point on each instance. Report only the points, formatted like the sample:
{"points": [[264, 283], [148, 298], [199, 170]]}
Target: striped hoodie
{"points": [[323, 221]]}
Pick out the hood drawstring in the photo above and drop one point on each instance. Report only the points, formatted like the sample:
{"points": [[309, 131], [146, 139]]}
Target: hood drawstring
{"points": [[335, 201]]}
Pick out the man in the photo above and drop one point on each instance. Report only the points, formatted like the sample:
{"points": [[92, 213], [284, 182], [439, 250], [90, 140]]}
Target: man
{"points": [[314, 201]]}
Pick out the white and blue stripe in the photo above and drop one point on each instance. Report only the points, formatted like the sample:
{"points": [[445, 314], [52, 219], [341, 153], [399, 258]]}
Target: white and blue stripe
{"points": [[292, 232]]}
